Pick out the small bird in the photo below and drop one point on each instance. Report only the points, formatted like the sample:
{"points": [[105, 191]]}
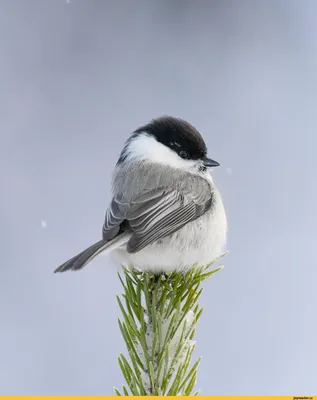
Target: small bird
{"points": [[166, 213]]}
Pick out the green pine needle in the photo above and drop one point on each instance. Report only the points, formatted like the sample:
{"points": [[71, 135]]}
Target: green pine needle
{"points": [[159, 317]]}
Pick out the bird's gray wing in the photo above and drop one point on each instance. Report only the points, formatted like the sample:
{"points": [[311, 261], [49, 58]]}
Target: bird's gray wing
{"points": [[115, 216], [154, 215]]}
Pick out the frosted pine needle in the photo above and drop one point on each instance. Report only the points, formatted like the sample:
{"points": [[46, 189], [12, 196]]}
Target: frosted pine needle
{"points": [[159, 317]]}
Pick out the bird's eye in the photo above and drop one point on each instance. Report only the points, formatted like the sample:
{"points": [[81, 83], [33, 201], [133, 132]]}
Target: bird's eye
{"points": [[183, 153]]}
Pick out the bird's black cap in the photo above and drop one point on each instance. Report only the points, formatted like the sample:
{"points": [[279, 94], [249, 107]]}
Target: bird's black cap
{"points": [[176, 134]]}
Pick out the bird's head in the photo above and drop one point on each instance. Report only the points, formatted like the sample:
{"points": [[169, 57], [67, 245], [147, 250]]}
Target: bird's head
{"points": [[170, 142]]}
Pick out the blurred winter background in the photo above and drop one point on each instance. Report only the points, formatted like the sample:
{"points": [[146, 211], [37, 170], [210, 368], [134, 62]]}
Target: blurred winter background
{"points": [[76, 77]]}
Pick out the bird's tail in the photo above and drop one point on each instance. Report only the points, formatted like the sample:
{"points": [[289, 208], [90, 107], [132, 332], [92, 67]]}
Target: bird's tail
{"points": [[83, 258]]}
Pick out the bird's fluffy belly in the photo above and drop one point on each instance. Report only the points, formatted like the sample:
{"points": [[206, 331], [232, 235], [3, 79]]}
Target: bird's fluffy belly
{"points": [[199, 242]]}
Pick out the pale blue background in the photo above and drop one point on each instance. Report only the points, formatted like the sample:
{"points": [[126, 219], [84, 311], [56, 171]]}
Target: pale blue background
{"points": [[75, 79]]}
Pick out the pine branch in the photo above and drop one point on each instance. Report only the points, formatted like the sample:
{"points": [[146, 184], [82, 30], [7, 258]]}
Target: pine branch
{"points": [[159, 317]]}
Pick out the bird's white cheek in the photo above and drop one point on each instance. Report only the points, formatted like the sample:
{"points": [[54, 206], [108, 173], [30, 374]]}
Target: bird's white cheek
{"points": [[145, 147]]}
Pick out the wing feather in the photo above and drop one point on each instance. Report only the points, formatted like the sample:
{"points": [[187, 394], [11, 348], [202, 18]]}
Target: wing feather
{"points": [[153, 215]]}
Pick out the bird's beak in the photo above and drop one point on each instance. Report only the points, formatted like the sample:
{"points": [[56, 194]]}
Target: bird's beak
{"points": [[208, 162]]}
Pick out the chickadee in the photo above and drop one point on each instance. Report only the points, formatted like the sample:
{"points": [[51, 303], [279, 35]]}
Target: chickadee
{"points": [[166, 213]]}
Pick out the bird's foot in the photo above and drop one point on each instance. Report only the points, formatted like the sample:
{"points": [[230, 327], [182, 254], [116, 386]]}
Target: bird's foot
{"points": [[184, 279]]}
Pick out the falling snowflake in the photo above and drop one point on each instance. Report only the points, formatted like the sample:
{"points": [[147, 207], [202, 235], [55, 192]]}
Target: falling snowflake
{"points": [[43, 223], [229, 171], [68, 1]]}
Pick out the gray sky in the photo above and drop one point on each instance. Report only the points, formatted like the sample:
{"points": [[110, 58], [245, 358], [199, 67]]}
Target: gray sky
{"points": [[75, 79]]}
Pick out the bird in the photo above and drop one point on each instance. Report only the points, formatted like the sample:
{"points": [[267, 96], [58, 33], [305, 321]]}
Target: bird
{"points": [[165, 213]]}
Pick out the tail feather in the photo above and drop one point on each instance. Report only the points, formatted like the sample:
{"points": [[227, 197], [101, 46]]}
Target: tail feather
{"points": [[83, 258]]}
